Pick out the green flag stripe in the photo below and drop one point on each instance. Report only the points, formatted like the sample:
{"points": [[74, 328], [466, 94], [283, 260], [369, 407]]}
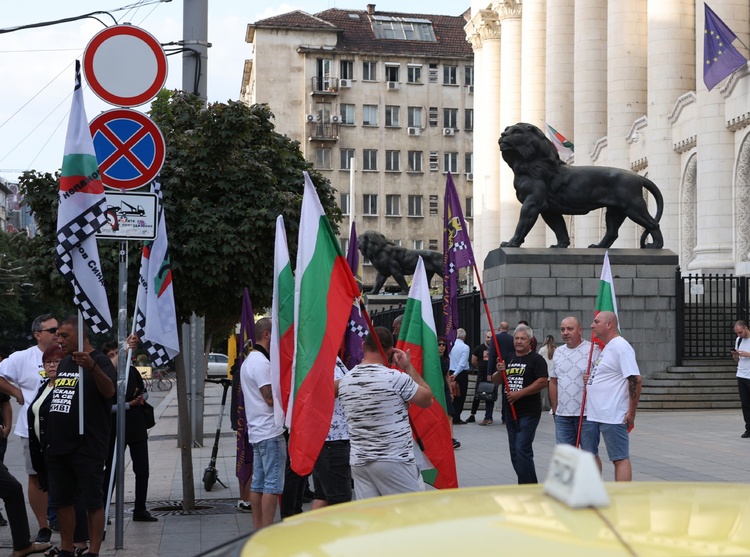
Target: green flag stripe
{"points": [[604, 297], [286, 301], [313, 316], [77, 164]]}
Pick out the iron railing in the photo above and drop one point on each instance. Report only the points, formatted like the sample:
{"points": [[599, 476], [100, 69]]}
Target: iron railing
{"points": [[707, 308]]}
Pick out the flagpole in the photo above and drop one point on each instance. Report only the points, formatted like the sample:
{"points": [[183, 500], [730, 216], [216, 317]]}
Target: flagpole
{"points": [[352, 192], [583, 399], [80, 375]]}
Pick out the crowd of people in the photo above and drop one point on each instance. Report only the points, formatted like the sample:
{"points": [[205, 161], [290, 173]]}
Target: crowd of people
{"points": [[593, 390]]}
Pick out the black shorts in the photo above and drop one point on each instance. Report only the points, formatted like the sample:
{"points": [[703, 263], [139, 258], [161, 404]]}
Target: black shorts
{"points": [[332, 475], [71, 472]]}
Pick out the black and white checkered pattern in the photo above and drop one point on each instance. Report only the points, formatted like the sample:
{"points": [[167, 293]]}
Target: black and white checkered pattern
{"points": [[90, 314], [157, 353], [460, 246], [81, 227], [357, 328]]}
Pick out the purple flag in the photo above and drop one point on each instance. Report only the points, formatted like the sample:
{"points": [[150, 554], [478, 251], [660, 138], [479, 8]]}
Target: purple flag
{"points": [[244, 469], [356, 329], [457, 254], [721, 59]]}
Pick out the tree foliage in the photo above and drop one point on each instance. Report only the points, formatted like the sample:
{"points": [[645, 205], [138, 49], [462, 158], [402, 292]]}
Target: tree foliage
{"points": [[228, 174]]}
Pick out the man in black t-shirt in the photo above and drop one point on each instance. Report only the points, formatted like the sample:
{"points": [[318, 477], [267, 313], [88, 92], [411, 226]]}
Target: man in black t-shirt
{"points": [[527, 376], [75, 462]]}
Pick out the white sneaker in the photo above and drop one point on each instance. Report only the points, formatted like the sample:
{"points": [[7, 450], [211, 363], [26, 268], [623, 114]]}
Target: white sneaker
{"points": [[243, 506]]}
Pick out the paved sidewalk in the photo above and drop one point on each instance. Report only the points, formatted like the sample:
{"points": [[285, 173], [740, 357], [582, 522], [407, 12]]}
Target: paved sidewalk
{"points": [[671, 446]]}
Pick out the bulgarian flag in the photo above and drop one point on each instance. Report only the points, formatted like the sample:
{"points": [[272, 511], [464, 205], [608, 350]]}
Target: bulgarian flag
{"points": [[324, 291], [282, 321], [605, 299], [564, 147], [418, 335]]}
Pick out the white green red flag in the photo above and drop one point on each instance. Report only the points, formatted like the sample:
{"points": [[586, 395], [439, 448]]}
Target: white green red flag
{"points": [[605, 299], [282, 325], [430, 425], [564, 147], [324, 291], [156, 316], [80, 214]]}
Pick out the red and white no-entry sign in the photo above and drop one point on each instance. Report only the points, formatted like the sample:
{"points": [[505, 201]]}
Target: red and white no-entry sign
{"points": [[125, 65]]}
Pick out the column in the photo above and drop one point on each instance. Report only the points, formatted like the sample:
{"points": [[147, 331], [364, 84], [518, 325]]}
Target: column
{"points": [[590, 98], [509, 14], [533, 78], [671, 73], [626, 89], [559, 107], [714, 252]]}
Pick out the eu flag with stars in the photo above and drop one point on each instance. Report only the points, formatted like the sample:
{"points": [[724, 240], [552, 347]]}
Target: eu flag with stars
{"points": [[721, 59]]}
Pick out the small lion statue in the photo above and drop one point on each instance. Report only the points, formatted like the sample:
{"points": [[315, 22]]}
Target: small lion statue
{"points": [[395, 261], [548, 187]]}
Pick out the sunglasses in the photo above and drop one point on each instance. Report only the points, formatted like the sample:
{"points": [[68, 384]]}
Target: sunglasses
{"points": [[51, 330], [441, 344], [52, 362]]}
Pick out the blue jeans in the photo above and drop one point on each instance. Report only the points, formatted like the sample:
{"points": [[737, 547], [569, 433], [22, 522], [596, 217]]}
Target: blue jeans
{"points": [[269, 458], [615, 439], [521, 449], [566, 430]]}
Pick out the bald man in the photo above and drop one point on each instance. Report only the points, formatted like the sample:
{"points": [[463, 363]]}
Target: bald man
{"points": [[613, 391]]}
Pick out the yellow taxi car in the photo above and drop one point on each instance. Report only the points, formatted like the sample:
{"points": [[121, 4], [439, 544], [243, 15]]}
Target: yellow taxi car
{"points": [[642, 518]]}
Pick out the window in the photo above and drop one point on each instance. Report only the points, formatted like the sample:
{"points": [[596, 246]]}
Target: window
{"points": [[368, 71], [323, 158], [450, 75], [418, 244], [469, 75], [371, 204], [469, 119], [434, 161], [469, 207], [391, 116], [346, 159], [393, 161], [433, 204], [344, 203], [415, 161], [433, 244], [393, 205], [370, 161], [402, 28], [323, 74], [346, 111], [450, 162], [344, 243], [450, 118], [391, 72], [346, 69], [433, 116], [415, 116], [370, 115], [414, 74], [433, 73], [469, 162], [415, 206]]}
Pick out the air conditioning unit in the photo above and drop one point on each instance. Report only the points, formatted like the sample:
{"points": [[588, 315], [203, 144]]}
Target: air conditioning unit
{"points": [[470, 89], [449, 131], [345, 83], [335, 119], [393, 85], [414, 131], [469, 176], [310, 117]]}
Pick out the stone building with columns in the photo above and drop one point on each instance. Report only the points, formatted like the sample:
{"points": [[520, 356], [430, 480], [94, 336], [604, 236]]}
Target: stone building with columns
{"points": [[622, 80]]}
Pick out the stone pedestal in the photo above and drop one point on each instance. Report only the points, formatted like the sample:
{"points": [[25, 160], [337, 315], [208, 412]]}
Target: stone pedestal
{"points": [[543, 286]]}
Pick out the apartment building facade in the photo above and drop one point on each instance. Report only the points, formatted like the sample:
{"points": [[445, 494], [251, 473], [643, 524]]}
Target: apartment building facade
{"points": [[382, 105]]}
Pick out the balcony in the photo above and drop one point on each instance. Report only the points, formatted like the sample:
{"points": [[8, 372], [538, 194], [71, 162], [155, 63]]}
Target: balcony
{"points": [[317, 131], [324, 85]]}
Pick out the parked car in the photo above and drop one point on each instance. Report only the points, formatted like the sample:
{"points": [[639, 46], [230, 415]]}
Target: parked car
{"points": [[218, 365], [664, 519]]}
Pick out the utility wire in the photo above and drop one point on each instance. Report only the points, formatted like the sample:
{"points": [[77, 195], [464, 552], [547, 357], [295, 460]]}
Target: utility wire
{"points": [[57, 127]]}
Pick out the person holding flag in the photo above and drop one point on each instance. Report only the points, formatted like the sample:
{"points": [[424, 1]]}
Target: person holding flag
{"points": [[375, 399]]}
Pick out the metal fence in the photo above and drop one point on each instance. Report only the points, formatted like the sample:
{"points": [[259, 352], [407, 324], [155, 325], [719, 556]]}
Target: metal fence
{"points": [[707, 308], [469, 316]]}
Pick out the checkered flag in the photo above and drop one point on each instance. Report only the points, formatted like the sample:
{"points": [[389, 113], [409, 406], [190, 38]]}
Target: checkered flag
{"points": [[80, 214], [156, 352]]}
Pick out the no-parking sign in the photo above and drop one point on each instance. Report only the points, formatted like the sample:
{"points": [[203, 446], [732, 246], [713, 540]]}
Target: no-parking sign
{"points": [[129, 148], [125, 65]]}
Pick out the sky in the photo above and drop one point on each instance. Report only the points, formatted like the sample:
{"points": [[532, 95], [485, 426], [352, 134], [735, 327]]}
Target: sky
{"points": [[37, 65]]}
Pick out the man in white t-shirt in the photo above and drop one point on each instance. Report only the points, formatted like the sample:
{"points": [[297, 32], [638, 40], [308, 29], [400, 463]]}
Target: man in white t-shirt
{"points": [[613, 391], [375, 399], [21, 375], [265, 435], [566, 384], [741, 355]]}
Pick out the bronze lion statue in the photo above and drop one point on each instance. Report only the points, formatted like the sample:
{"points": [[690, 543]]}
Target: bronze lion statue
{"points": [[395, 261], [548, 187]]}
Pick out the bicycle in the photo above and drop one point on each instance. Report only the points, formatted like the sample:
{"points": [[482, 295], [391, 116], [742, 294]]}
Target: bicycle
{"points": [[159, 378]]}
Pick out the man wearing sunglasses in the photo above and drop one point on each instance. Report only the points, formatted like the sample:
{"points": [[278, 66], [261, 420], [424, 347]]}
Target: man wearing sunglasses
{"points": [[21, 375]]}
